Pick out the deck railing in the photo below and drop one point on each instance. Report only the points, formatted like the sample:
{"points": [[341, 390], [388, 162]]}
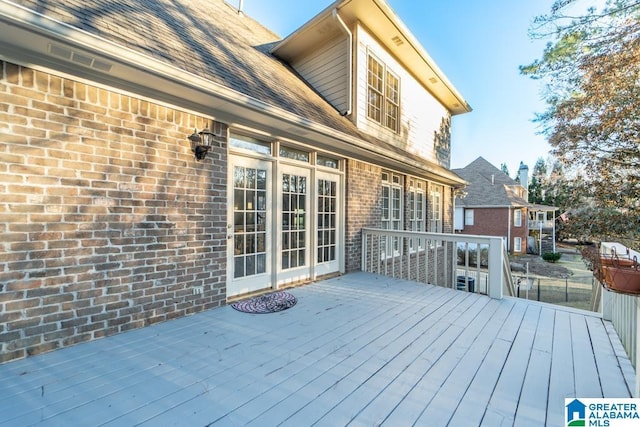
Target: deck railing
{"points": [[536, 225], [459, 261], [622, 309]]}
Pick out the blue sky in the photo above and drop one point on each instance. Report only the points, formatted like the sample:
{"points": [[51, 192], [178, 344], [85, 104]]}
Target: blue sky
{"points": [[479, 46]]}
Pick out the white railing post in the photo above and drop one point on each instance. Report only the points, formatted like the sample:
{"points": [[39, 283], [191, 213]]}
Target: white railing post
{"points": [[363, 265], [606, 301], [495, 267]]}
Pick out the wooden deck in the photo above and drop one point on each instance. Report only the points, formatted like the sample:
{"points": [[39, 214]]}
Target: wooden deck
{"points": [[359, 350]]}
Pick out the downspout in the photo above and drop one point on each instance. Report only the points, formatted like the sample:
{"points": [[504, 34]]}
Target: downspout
{"points": [[509, 229], [350, 63]]}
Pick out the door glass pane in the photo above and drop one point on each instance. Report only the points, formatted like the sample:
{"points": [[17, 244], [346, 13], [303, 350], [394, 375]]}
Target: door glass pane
{"points": [[326, 221], [249, 221], [294, 189]]}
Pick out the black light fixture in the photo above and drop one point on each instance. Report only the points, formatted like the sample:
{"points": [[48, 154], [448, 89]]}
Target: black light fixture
{"points": [[202, 142]]}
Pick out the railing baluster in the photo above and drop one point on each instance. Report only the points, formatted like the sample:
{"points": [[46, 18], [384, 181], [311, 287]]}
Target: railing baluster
{"points": [[417, 256], [444, 264]]}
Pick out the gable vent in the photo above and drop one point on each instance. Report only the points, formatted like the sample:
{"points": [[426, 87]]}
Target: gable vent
{"points": [[79, 58], [397, 40]]}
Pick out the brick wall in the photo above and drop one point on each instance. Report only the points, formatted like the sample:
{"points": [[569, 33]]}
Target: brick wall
{"points": [[107, 222], [489, 222], [363, 208], [522, 232], [495, 222]]}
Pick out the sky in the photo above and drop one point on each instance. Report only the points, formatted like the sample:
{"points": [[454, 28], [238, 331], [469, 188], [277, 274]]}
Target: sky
{"points": [[479, 46]]}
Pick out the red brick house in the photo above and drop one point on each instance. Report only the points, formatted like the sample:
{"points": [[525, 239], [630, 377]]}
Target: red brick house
{"points": [[115, 214], [492, 204]]}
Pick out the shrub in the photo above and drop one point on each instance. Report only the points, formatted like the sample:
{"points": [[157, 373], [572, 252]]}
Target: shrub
{"points": [[551, 256]]}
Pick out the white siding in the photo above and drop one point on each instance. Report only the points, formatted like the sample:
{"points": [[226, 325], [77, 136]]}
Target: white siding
{"points": [[421, 113], [326, 69]]}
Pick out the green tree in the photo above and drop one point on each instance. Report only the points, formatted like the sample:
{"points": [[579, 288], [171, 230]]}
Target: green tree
{"points": [[504, 168], [538, 182], [591, 71]]}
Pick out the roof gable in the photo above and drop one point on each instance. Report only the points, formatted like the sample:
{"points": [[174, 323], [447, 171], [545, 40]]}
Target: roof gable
{"points": [[488, 186], [379, 18]]}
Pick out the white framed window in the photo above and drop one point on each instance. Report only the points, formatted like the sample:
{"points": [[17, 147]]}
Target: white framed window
{"points": [[417, 207], [294, 154], [392, 206], [517, 244], [250, 144], [383, 94], [517, 218], [392, 101], [435, 211], [468, 216]]}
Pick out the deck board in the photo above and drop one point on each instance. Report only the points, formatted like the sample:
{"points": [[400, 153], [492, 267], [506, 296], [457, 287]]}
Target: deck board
{"points": [[356, 350], [532, 405]]}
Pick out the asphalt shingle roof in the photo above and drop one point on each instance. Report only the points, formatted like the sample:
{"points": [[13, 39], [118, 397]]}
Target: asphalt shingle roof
{"points": [[210, 39], [488, 186]]}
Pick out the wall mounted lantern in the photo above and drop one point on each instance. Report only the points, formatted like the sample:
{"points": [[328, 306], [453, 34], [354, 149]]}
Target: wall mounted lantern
{"points": [[202, 142]]}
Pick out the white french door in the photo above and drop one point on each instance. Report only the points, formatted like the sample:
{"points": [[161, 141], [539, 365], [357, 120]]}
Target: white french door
{"points": [[294, 227], [249, 229], [328, 241], [284, 224]]}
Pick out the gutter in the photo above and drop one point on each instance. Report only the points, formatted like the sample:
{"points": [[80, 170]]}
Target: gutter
{"points": [[346, 30], [161, 75]]}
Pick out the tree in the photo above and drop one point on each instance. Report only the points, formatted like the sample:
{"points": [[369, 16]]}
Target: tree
{"points": [[559, 190], [538, 182], [504, 168], [591, 71]]}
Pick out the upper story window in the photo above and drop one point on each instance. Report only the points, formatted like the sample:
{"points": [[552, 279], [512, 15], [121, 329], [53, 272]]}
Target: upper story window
{"points": [[517, 218], [383, 95], [392, 102]]}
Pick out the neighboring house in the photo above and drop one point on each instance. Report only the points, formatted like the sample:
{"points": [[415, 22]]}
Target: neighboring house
{"points": [[110, 223], [542, 229], [492, 204]]}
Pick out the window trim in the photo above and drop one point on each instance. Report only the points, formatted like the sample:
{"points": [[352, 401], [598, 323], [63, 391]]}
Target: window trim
{"points": [[517, 217], [469, 217], [392, 215], [417, 211], [381, 93], [435, 219], [517, 244]]}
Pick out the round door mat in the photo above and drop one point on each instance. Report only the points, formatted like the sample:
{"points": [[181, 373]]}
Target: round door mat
{"points": [[268, 303]]}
